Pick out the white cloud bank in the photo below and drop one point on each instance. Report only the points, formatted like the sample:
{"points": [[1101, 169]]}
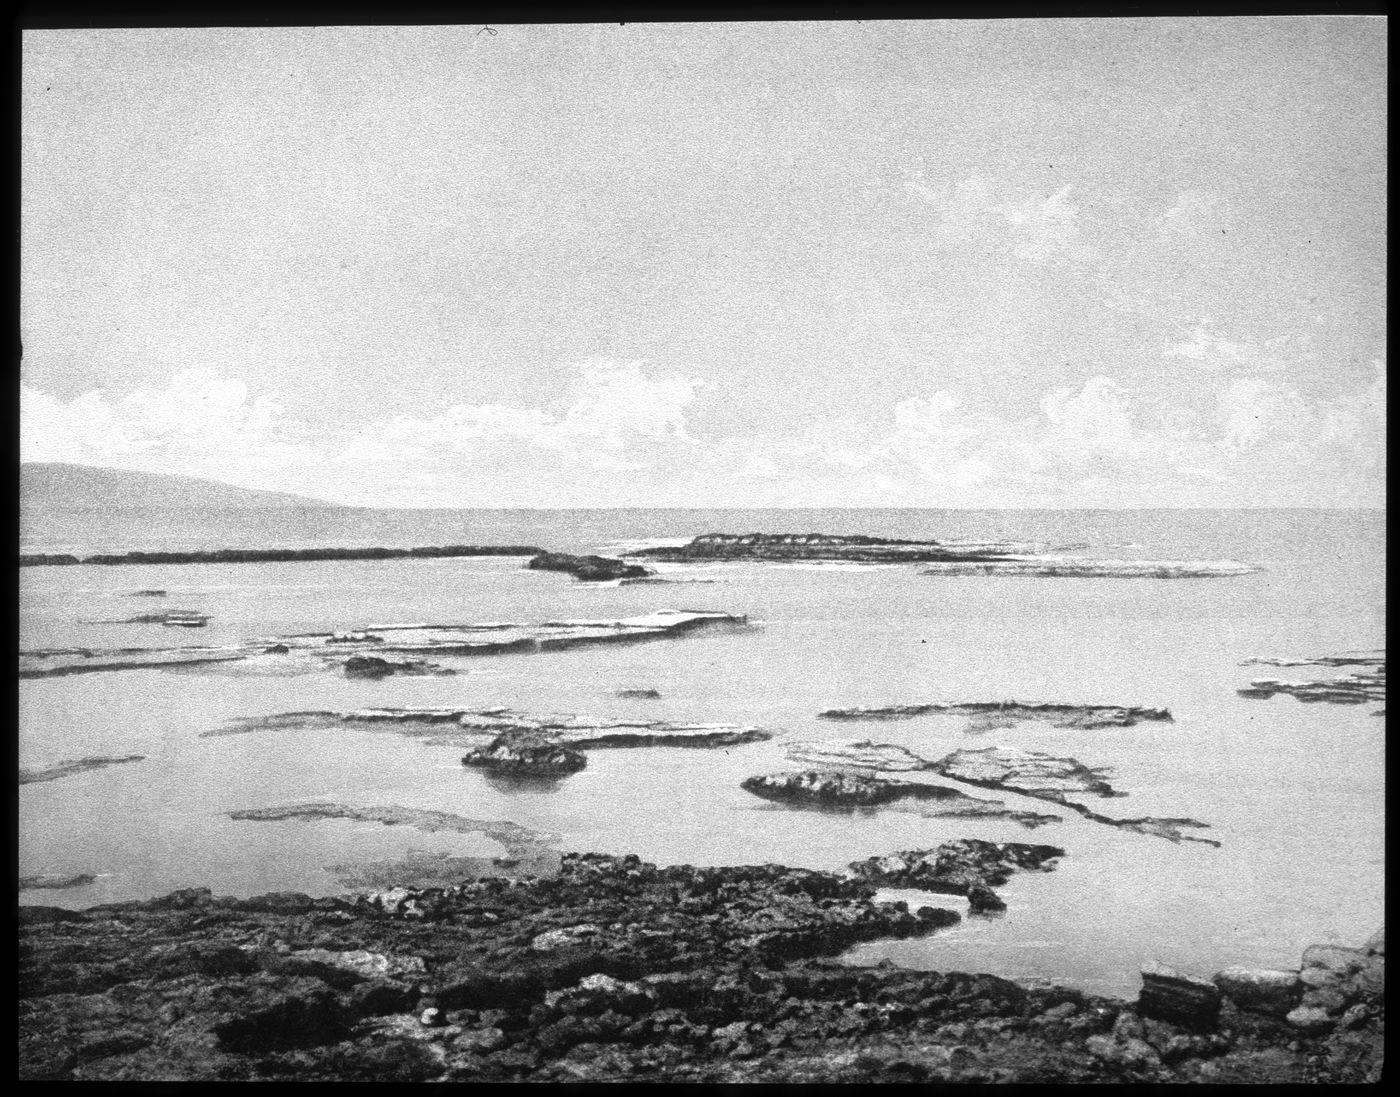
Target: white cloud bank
{"points": [[622, 439]]}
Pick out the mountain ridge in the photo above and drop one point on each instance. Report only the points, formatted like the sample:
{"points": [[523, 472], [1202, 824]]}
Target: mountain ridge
{"points": [[59, 484]]}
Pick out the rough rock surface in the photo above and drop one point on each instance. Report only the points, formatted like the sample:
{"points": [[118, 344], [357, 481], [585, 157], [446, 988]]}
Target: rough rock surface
{"points": [[588, 569], [1261, 990], [613, 970], [79, 765], [968, 866], [1058, 715], [815, 788]]}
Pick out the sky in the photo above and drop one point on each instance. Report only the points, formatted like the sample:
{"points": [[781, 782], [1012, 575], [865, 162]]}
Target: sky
{"points": [[1022, 263]]}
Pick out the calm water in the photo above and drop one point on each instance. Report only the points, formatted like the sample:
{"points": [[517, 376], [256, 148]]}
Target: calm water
{"points": [[1295, 792]]}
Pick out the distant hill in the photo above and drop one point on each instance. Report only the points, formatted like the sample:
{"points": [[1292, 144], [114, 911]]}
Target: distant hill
{"points": [[46, 484]]}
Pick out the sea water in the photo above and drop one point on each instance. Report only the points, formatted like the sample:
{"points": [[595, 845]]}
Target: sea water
{"points": [[1294, 792]]}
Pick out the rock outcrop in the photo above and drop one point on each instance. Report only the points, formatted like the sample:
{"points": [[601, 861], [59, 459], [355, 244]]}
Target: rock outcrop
{"points": [[588, 569], [850, 791]]}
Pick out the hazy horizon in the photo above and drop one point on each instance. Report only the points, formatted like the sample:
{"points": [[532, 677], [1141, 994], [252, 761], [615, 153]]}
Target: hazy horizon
{"points": [[1000, 264]]}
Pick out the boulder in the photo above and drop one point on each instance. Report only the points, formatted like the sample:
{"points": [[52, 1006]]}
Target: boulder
{"points": [[1171, 995], [1311, 1020], [1261, 990]]}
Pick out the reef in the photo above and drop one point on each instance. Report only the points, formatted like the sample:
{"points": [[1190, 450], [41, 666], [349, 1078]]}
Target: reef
{"points": [[614, 969], [68, 769], [308, 652], [849, 791], [173, 618], [56, 881], [278, 556], [1058, 715], [1070, 568], [588, 569]]}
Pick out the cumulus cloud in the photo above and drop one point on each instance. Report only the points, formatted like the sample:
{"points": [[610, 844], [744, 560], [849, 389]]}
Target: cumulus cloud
{"points": [[620, 437], [199, 414]]}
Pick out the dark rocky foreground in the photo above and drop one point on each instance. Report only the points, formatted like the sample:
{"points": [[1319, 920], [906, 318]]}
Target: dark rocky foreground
{"points": [[617, 970], [270, 556]]}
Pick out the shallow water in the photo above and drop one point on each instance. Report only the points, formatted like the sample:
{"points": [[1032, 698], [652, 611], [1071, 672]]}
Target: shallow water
{"points": [[1294, 792]]}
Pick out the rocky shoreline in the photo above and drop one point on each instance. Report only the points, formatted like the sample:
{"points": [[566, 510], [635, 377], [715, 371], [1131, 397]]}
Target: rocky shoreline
{"points": [[614, 969]]}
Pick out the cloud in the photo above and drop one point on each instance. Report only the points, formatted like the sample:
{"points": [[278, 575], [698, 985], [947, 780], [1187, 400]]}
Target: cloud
{"points": [[200, 414], [620, 437]]}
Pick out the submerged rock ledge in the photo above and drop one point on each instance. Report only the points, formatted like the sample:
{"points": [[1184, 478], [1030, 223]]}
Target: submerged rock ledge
{"points": [[615, 969]]}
